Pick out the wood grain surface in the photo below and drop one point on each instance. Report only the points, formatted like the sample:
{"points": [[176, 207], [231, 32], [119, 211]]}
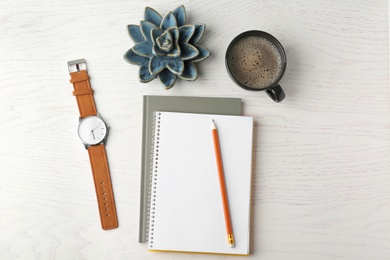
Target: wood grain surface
{"points": [[321, 164]]}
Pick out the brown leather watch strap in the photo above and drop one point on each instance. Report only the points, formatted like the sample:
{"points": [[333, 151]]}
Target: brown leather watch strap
{"points": [[83, 93], [101, 177]]}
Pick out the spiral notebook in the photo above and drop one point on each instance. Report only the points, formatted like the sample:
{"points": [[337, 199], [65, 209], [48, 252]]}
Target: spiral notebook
{"points": [[186, 211], [188, 104]]}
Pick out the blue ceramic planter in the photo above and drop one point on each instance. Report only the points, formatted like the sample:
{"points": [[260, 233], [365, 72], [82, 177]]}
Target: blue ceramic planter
{"points": [[165, 47]]}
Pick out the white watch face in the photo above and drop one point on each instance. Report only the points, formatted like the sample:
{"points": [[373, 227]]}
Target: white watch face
{"points": [[92, 130]]}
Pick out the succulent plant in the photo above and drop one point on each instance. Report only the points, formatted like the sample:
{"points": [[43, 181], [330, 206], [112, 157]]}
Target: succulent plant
{"points": [[165, 47]]}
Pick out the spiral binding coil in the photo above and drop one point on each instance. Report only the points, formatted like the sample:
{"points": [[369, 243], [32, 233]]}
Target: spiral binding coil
{"points": [[153, 177]]}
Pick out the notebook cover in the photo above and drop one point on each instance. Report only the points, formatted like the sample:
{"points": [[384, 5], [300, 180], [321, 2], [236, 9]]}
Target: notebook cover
{"points": [[206, 105]]}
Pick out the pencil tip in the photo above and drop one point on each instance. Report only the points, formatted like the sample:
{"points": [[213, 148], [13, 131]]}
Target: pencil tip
{"points": [[213, 124]]}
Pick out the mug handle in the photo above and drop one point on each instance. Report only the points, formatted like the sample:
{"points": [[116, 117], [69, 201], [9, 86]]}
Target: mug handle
{"points": [[276, 93]]}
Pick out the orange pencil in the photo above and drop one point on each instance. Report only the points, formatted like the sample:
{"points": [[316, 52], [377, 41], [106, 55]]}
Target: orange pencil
{"points": [[222, 184]]}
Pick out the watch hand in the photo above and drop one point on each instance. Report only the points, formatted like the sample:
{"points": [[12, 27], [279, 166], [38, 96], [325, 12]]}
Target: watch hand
{"points": [[97, 126], [93, 135]]}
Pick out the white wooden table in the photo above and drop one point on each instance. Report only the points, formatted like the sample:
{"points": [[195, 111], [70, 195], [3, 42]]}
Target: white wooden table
{"points": [[321, 186]]}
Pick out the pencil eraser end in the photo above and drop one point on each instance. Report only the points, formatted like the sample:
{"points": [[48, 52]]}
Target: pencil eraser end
{"points": [[230, 240]]}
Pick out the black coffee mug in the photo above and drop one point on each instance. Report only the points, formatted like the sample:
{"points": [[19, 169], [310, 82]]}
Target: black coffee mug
{"points": [[257, 61]]}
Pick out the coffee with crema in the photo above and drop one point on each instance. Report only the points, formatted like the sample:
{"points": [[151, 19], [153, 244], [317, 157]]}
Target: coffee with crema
{"points": [[255, 62]]}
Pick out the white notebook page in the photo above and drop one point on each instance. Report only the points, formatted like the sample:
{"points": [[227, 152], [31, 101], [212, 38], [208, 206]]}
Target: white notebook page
{"points": [[188, 213]]}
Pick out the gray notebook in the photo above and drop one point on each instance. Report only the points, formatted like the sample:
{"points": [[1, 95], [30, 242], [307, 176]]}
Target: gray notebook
{"points": [[205, 105]]}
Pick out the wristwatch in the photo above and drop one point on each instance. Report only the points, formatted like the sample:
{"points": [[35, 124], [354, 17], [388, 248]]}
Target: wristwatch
{"points": [[93, 132]]}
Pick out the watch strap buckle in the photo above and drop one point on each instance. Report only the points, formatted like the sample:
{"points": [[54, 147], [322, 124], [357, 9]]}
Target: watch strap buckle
{"points": [[77, 65]]}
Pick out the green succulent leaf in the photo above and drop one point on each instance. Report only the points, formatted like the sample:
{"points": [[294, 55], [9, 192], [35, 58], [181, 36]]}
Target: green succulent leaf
{"points": [[135, 33], [175, 65], [185, 33], [156, 32], [199, 30], [188, 51], [190, 72], [175, 52], [143, 49], [167, 78], [146, 28], [156, 64], [152, 16], [144, 74], [203, 53], [157, 52], [134, 58], [168, 21], [180, 14]]}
